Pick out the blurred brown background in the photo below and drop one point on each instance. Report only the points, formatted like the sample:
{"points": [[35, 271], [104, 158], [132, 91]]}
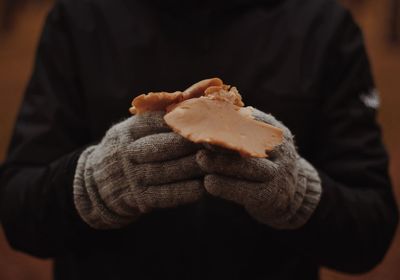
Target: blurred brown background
{"points": [[17, 45]]}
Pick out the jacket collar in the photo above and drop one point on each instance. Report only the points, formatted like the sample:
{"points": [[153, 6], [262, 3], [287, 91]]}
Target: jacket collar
{"points": [[205, 6]]}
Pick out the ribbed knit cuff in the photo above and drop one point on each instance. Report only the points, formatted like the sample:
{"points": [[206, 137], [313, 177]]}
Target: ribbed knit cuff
{"points": [[308, 176], [306, 198], [88, 202]]}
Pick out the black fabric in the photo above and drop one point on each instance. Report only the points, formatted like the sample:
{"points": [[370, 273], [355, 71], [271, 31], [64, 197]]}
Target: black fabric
{"points": [[301, 60]]}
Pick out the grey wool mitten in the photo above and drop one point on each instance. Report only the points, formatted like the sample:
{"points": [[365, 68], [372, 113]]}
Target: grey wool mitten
{"points": [[139, 165], [281, 191]]}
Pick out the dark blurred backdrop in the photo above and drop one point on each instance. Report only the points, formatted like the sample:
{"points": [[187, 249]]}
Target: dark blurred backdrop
{"points": [[20, 25]]}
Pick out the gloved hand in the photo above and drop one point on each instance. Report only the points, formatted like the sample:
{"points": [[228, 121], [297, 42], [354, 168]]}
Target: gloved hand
{"points": [[281, 191], [138, 166]]}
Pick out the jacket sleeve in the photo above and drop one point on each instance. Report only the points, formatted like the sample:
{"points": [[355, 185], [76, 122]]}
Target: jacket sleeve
{"points": [[36, 203], [355, 221]]}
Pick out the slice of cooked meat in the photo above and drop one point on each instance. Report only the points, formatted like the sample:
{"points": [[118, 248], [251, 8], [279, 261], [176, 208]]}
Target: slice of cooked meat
{"points": [[211, 112], [158, 101], [217, 122], [154, 101], [198, 89], [225, 93]]}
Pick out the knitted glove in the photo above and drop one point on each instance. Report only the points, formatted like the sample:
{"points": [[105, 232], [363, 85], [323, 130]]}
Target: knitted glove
{"points": [[281, 191], [138, 166]]}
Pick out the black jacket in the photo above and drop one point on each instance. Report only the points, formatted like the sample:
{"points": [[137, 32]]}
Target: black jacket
{"points": [[301, 60]]}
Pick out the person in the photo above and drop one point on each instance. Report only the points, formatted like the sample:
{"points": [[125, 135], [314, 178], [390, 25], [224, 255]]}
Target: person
{"points": [[113, 196]]}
